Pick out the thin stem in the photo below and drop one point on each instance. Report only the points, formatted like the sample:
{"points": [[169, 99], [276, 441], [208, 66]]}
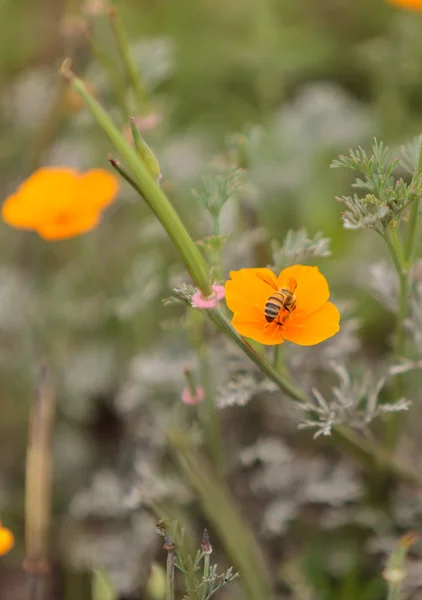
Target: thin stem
{"points": [[393, 253], [38, 481], [283, 383], [402, 313], [394, 422], [212, 421], [411, 231], [398, 248], [133, 74], [115, 77], [170, 575], [205, 575], [276, 356]]}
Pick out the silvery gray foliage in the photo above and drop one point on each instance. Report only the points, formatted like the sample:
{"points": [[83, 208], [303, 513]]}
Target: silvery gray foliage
{"points": [[183, 294], [384, 284], [383, 197], [283, 159], [102, 498], [355, 401], [123, 548], [299, 247], [243, 381], [240, 247], [218, 188], [156, 59], [304, 361], [140, 287], [144, 381], [289, 480], [409, 154]]}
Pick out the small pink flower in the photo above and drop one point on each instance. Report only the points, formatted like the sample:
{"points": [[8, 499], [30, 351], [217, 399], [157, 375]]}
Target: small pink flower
{"points": [[191, 399], [198, 300]]}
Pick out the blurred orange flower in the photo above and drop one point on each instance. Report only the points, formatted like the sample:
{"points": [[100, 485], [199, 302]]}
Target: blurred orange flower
{"points": [[293, 306], [60, 202], [407, 4], [7, 540]]}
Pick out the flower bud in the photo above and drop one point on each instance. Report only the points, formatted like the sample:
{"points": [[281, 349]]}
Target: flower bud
{"points": [[144, 152]]}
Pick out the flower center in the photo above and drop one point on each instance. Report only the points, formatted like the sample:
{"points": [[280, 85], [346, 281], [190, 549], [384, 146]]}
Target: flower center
{"points": [[62, 218]]}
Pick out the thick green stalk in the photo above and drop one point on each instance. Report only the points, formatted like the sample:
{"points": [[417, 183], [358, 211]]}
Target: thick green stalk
{"points": [[150, 190]]}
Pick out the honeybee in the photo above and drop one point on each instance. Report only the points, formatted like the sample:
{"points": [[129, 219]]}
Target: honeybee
{"points": [[280, 304]]}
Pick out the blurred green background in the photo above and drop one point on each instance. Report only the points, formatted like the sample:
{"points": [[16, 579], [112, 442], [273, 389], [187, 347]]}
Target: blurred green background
{"points": [[304, 81]]}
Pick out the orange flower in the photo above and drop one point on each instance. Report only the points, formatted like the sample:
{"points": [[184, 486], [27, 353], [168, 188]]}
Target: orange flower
{"points": [[407, 4], [59, 202], [298, 311], [7, 540]]}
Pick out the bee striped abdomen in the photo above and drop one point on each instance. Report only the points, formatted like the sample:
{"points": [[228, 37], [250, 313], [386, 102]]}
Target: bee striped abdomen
{"points": [[273, 306]]}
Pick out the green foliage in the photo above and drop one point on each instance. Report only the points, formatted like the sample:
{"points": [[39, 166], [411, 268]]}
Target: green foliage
{"points": [[299, 248], [218, 189], [102, 588], [384, 198]]}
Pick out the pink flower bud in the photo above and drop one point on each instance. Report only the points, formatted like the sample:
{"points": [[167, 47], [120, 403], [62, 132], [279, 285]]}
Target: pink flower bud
{"points": [[191, 399], [198, 300]]}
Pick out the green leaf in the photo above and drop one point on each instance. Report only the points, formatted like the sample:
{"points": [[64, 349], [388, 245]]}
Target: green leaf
{"points": [[102, 589]]}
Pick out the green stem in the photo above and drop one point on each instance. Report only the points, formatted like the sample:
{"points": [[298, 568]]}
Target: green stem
{"points": [[393, 253], [149, 188], [283, 382], [212, 422], [411, 231], [398, 248], [133, 75], [277, 356], [206, 571], [402, 313], [115, 77], [170, 575], [394, 422]]}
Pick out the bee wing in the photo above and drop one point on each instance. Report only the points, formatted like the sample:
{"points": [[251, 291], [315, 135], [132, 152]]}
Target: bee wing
{"points": [[292, 284], [267, 279]]}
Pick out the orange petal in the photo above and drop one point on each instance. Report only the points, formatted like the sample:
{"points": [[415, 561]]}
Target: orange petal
{"points": [[315, 328], [34, 199], [68, 225], [258, 330], [249, 289], [96, 189], [7, 540], [312, 290], [407, 4]]}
